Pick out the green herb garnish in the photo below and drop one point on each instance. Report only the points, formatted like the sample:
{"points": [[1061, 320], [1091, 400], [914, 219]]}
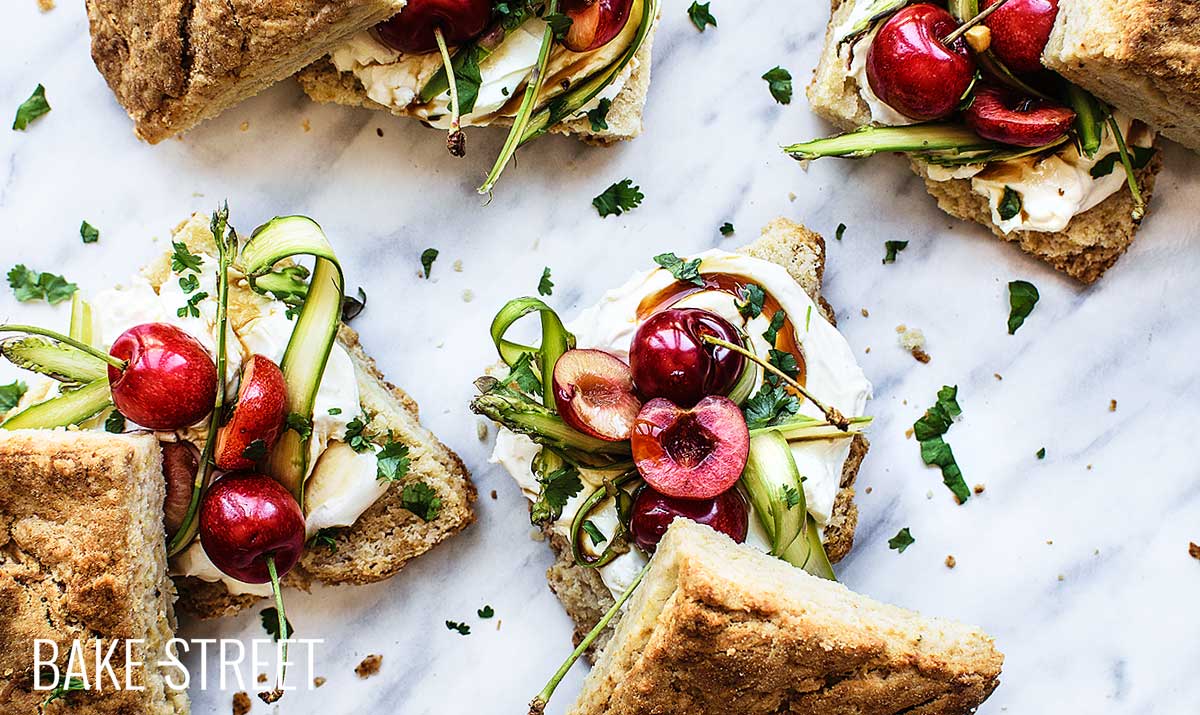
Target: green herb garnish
{"points": [[598, 117], [300, 424], [934, 450], [594, 533], [358, 441], [30, 285], [891, 248], [115, 422], [901, 541], [11, 394], [1010, 204], [31, 109], [393, 461], [779, 81], [428, 256], [189, 283], [182, 259], [545, 285], [772, 331], [485, 612], [462, 628], [841, 231], [557, 488], [192, 307], [1022, 296], [420, 499], [559, 23], [726, 229], [750, 301], [1041, 453], [255, 451], [688, 271], [88, 233], [700, 15], [617, 199], [771, 405], [1139, 157], [325, 538], [72, 684], [270, 624]]}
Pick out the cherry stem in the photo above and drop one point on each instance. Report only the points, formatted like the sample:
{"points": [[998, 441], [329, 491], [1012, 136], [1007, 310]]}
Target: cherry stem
{"points": [[836, 418], [1139, 204], [66, 339], [270, 697], [538, 705], [454, 141], [972, 23]]}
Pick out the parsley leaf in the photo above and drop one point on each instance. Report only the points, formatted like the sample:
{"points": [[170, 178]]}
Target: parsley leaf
{"points": [[462, 628], [557, 487], [420, 499], [270, 624], [192, 306], [1010, 204], [682, 270], [891, 248], [485, 612], [428, 256], [299, 424], [255, 451], [393, 461], [771, 405], [545, 285], [700, 16], [779, 81], [841, 231], [785, 361], [559, 23], [934, 450], [115, 422], [1139, 157], [31, 109], [182, 259], [1041, 453], [88, 232], [599, 116], [617, 199], [523, 377], [772, 331], [594, 533], [60, 691], [901, 541], [726, 229], [1022, 296], [750, 301], [467, 77], [791, 496], [324, 537], [30, 285], [358, 441], [335, 410], [189, 283], [11, 394]]}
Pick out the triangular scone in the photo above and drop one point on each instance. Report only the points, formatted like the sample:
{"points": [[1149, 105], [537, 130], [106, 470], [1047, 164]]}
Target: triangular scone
{"points": [[83, 558], [175, 63], [1089, 246], [720, 628]]}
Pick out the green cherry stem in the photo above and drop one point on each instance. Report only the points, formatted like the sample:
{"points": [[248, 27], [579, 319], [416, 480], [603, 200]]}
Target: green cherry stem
{"points": [[972, 23], [1139, 204], [271, 696], [455, 141], [67, 340]]}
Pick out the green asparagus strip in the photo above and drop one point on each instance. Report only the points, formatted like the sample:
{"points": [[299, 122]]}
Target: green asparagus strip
{"points": [[916, 138], [1090, 115], [69, 408], [544, 427], [611, 489], [556, 340], [53, 359]]}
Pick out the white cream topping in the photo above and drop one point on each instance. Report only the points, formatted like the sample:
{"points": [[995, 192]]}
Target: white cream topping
{"points": [[832, 374], [856, 55], [343, 485]]}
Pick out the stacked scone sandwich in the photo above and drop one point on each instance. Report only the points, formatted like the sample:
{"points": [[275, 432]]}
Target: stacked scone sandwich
{"points": [[977, 96], [714, 387]]}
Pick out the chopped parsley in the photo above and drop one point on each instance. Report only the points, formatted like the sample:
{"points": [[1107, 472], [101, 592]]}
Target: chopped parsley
{"points": [[485, 612], [88, 233], [726, 229], [335, 410], [324, 537], [934, 450], [462, 628], [779, 81], [358, 441], [300, 424], [31, 109], [351, 306], [750, 301], [255, 451], [393, 461], [791, 496], [1010, 204], [700, 16], [557, 487], [901, 541], [420, 499], [11, 394], [559, 23], [1022, 296], [1139, 157], [688, 271], [772, 331], [1041, 453], [841, 231], [115, 422], [428, 256], [545, 285], [594, 533], [182, 259], [467, 77], [617, 199], [270, 624], [189, 283], [30, 285], [891, 248], [523, 377], [784, 361], [598, 117], [771, 405], [192, 306]]}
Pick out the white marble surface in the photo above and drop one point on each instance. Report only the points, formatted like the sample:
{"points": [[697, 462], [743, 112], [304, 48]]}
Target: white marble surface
{"points": [[1077, 564]]}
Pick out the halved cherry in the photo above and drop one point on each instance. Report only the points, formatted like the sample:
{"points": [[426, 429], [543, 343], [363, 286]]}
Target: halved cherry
{"points": [[181, 461], [413, 30], [654, 511], [257, 416], [593, 392], [691, 454], [168, 381], [1006, 116], [594, 23]]}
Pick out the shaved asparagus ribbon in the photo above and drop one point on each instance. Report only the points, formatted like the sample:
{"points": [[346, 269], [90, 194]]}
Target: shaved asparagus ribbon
{"points": [[313, 336], [556, 340]]}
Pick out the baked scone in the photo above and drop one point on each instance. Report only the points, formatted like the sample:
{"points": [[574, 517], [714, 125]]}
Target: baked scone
{"points": [[1142, 56], [1089, 244], [174, 63], [83, 558], [718, 628]]}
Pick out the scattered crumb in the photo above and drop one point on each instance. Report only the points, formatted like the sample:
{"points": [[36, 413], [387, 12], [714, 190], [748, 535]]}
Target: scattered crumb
{"points": [[978, 489], [318, 681], [865, 314], [921, 356], [1112, 405], [1193, 550], [1050, 542], [481, 430], [951, 562], [867, 490], [245, 126], [1089, 467], [378, 131], [369, 666], [908, 433], [929, 494], [791, 196], [262, 677], [498, 622], [468, 295], [241, 704], [1097, 552], [494, 495], [441, 344], [458, 266], [867, 350], [913, 340], [537, 535], [307, 126], [997, 376], [1062, 577], [901, 328], [45, 5]]}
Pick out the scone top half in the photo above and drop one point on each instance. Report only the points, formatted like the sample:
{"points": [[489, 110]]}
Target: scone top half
{"points": [[617, 447]]}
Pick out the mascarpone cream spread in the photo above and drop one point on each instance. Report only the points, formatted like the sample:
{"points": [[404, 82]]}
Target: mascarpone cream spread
{"points": [[833, 375]]}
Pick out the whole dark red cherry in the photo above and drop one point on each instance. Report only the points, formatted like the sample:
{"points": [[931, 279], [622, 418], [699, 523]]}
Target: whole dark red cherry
{"points": [[169, 381], [1020, 31], [670, 358], [1004, 115], [594, 23], [246, 517], [912, 71], [412, 30], [653, 512]]}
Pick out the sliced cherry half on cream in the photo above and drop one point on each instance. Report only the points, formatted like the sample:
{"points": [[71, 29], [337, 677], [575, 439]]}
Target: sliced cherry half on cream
{"points": [[181, 461], [1006, 116], [257, 417], [654, 511], [168, 381], [593, 392], [695, 453], [594, 23], [414, 29]]}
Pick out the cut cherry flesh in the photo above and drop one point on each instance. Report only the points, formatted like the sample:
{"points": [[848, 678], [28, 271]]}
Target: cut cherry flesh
{"points": [[181, 461], [412, 30], [594, 23], [257, 416], [654, 511], [912, 71], [1020, 31], [691, 454], [1003, 115], [169, 381], [670, 358], [247, 517], [593, 392]]}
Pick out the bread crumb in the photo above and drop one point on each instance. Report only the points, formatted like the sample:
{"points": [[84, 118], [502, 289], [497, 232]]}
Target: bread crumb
{"points": [[867, 350], [921, 356], [791, 196], [494, 495], [865, 314], [901, 328], [318, 681], [913, 340], [908, 433], [1062, 577], [951, 562], [537, 535], [458, 266], [929, 494], [978, 489], [307, 126], [241, 704], [867, 490], [481, 430], [1193, 550], [1112, 405], [378, 131], [369, 666], [1089, 467], [1050, 542], [262, 677], [468, 295], [997, 376], [45, 5], [245, 126]]}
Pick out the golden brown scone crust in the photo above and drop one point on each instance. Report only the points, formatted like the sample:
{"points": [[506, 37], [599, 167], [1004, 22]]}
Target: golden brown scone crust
{"points": [[1142, 56], [82, 558], [1092, 242], [718, 627], [174, 63], [582, 593]]}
